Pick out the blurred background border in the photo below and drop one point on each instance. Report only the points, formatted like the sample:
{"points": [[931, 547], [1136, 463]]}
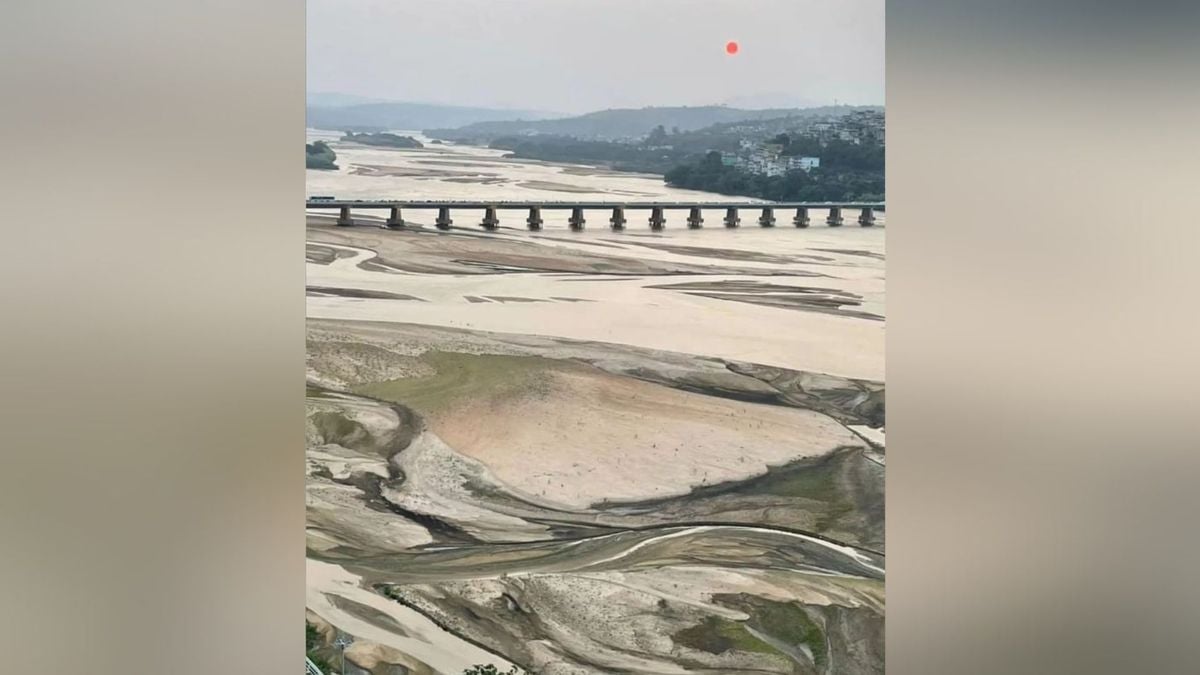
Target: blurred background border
{"points": [[1042, 350]]}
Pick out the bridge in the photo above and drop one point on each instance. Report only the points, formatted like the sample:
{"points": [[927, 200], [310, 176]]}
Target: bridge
{"points": [[617, 220]]}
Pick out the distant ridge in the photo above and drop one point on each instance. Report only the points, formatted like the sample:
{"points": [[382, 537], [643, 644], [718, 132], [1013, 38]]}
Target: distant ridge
{"points": [[335, 99], [626, 122], [339, 112]]}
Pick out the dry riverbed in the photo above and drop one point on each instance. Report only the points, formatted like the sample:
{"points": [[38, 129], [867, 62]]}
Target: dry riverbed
{"points": [[594, 452]]}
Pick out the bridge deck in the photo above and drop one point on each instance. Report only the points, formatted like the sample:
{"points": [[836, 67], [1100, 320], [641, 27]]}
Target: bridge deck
{"points": [[558, 204]]}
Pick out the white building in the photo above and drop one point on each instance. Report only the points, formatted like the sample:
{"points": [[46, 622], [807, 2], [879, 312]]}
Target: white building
{"points": [[803, 163]]}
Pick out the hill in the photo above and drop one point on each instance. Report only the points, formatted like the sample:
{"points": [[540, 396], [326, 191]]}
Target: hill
{"points": [[383, 116], [333, 99], [622, 123], [384, 139]]}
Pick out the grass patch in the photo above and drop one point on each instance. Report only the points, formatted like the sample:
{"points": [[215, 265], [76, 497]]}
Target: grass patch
{"points": [[717, 636], [460, 377], [335, 427], [314, 641], [786, 621], [812, 479]]}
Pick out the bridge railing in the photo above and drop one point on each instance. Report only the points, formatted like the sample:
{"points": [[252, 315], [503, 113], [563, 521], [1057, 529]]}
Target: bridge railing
{"points": [[657, 220]]}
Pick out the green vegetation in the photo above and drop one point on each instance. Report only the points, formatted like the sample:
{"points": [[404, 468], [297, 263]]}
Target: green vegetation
{"points": [[787, 622], [335, 427], [313, 640], [489, 670], [462, 376], [619, 156], [837, 179], [717, 636], [384, 139], [319, 155], [692, 159]]}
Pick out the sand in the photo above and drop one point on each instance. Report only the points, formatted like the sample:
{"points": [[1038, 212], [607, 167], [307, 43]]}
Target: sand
{"points": [[424, 640], [634, 311], [590, 451], [588, 436]]}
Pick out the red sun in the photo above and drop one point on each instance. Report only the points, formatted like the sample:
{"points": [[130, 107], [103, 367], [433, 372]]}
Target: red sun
{"points": [[731, 47]]}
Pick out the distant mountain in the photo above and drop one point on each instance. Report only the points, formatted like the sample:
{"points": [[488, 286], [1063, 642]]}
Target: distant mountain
{"points": [[385, 115], [336, 100], [773, 99], [622, 123]]}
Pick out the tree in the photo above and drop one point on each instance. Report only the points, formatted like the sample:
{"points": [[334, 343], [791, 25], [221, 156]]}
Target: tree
{"points": [[657, 136], [489, 669], [313, 640], [319, 155]]}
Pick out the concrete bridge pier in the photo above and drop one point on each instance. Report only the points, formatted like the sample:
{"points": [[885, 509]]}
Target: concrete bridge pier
{"points": [[801, 219], [394, 221], [695, 220], [344, 219], [657, 221], [490, 221], [731, 217], [576, 222], [867, 217], [767, 219], [443, 221], [617, 222], [534, 221], [835, 216]]}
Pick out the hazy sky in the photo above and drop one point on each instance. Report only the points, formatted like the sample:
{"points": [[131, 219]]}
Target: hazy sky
{"points": [[581, 55]]}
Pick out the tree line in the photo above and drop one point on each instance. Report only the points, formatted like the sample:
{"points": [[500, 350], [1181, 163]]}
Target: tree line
{"points": [[841, 180]]}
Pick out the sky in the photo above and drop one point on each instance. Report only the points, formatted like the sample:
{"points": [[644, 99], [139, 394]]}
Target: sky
{"points": [[574, 56]]}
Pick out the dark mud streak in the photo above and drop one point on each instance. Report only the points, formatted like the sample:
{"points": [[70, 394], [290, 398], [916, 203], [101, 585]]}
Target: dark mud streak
{"points": [[324, 255], [582, 525], [588, 242], [359, 293], [781, 529], [518, 631], [371, 485], [377, 265], [803, 298], [869, 412], [742, 395], [814, 305], [736, 254], [507, 635], [369, 614], [512, 298], [383, 588], [867, 497], [843, 251], [839, 404]]}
